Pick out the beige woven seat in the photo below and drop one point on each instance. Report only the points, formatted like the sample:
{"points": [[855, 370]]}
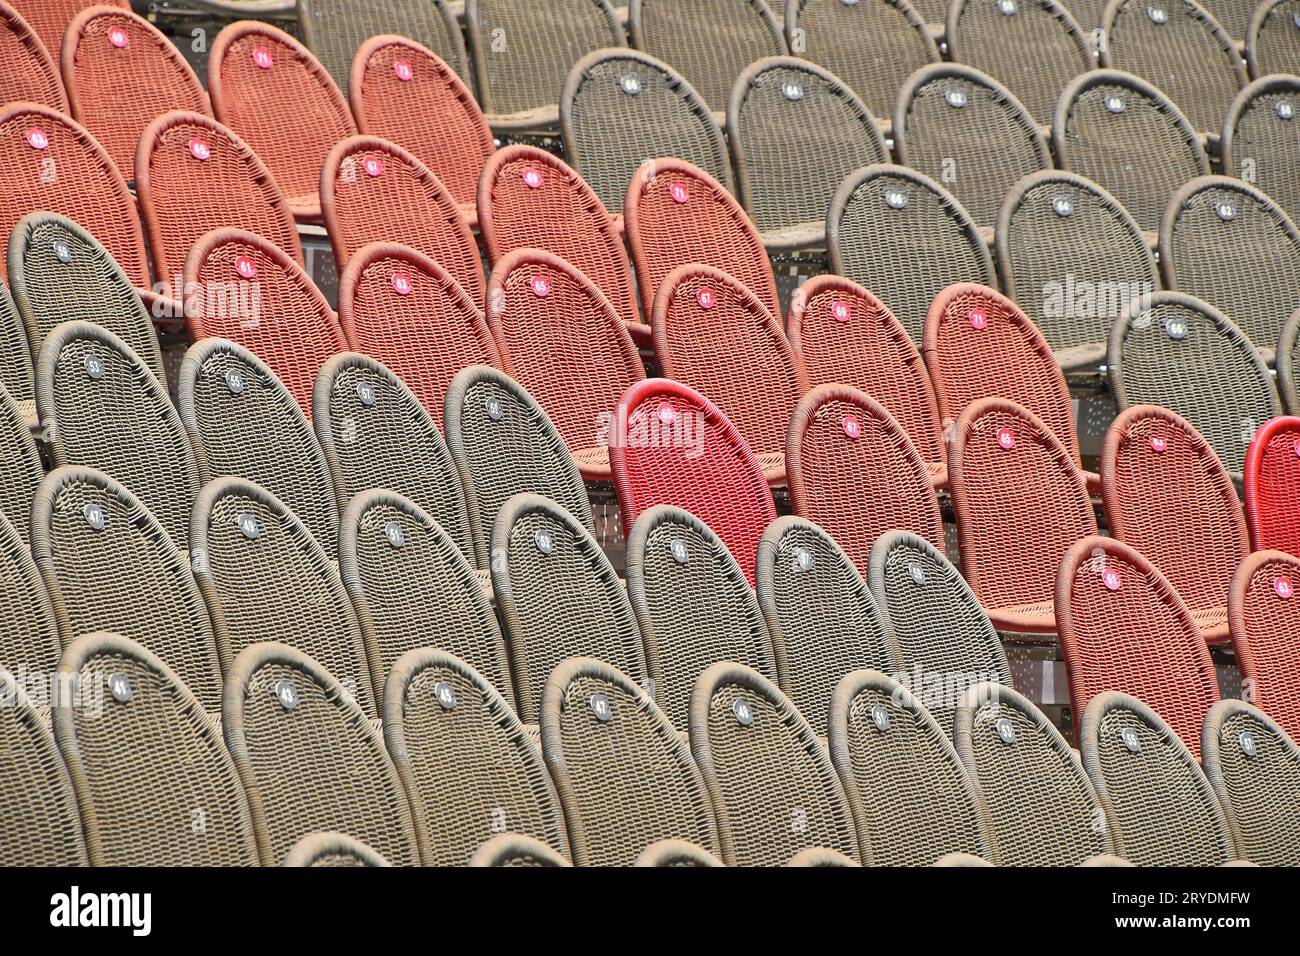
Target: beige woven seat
{"points": [[1259, 140], [676, 853], [1271, 38], [335, 29], [21, 469], [332, 849], [514, 849], [31, 641], [16, 375]]}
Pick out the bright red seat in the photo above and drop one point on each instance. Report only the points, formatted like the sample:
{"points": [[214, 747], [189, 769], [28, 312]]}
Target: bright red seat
{"points": [[28, 72], [1264, 617], [50, 18], [1272, 486]]}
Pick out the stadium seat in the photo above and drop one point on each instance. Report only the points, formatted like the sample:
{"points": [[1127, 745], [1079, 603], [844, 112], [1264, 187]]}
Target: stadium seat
{"points": [[1259, 140], [1288, 364], [563, 341], [694, 606], [885, 215], [1183, 354], [913, 802], [1165, 811], [624, 774], [468, 765], [676, 853], [309, 757], [21, 469], [513, 849], [242, 422], [1271, 43], [1124, 628], [965, 129], [271, 90], [332, 849], [1125, 135], [619, 107], [853, 471], [30, 73], [1271, 483], [1262, 620], [1020, 504], [31, 643], [795, 131], [503, 444], [16, 374], [154, 781], [820, 613], [50, 18], [1042, 807], [1072, 257]]}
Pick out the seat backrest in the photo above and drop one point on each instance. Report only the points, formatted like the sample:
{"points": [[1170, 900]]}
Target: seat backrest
{"points": [[774, 789], [820, 612], [912, 800], [1262, 617], [375, 191], [310, 758], [853, 471], [328, 848], [620, 106], [514, 849], [121, 73], [16, 374], [404, 309], [1043, 808], [1104, 115], [336, 29], [1271, 484], [376, 434], [1165, 811], [1183, 354], [21, 468], [50, 18], [1072, 257], [625, 776], [31, 643], [469, 766], [677, 213], [153, 779], [243, 422], [885, 215], [248, 290], [101, 407], [30, 73], [694, 605], [671, 445], [503, 444], [1260, 141], [1124, 628], [529, 198], [1271, 44], [193, 175], [965, 129], [1254, 768], [795, 131]]}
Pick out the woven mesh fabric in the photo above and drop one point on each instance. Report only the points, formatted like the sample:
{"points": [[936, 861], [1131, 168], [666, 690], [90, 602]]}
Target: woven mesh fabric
{"points": [[471, 768], [1288, 364], [676, 213], [90, 286], [562, 340], [278, 314], [425, 336], [627, 779], [676, 853], [774, 789], [853, 471], [153, 778], [1138, 637], [1088, 14], [16, 375], [1197, 542], [31, 641], [40, 825], [1043, 809], [332, 849], [1258, 139], [1272, 38], [504, 444], [183, 198], [622, 107], [319, 765], [398, 109], [1257, 788], [965, 129], [1229, 244], [945, 643], [834, 34], [1072, 257], [289, 110], [1140, 147], [513, 849], [820, 612], [243, 423], [1164, 809], [796, 131], [336, 29], [1019, 509], [244, 582], [30, 74], [1272, 486], [1262, 622], [709, 41], [116, 89], [931, 11], [868, 233], [1187, 55], [375, 191], [694, 605], [1184, 355], [913, 801], [375, 434], [561, 215], [1233, 15], [21, 469], [101, 407], [50, 18]]}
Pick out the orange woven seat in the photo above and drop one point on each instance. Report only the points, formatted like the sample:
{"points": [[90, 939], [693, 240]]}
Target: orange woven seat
{"points": [[50, 18], [1263, 616], [28, 72], [1272, 486]]}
